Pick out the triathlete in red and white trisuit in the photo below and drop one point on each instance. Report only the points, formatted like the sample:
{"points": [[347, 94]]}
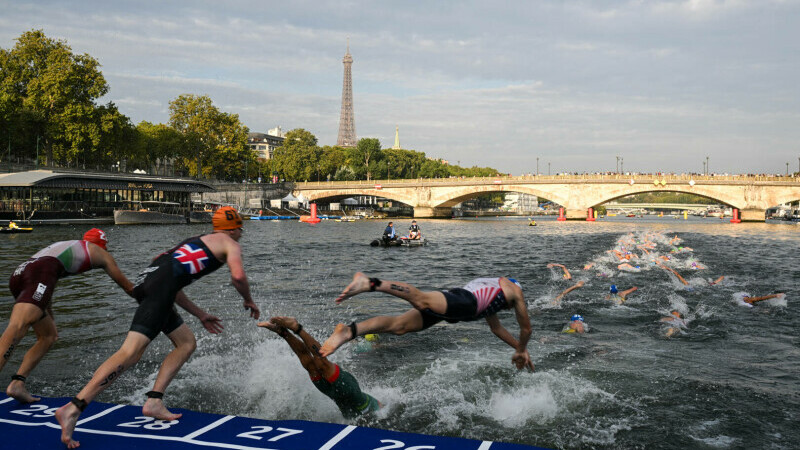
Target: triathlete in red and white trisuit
{"points": [[34, 280], [480, 298], [32, 285]]}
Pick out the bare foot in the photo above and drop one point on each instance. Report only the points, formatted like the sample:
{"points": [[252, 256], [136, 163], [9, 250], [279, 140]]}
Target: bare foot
{"points": [[286, 322], [154, 407], [341, 334], [17, 390], [359, 284], [67, 417]]}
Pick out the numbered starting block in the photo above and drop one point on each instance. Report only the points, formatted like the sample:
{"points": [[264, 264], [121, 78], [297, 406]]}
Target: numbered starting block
{"points": [[123, 427]]}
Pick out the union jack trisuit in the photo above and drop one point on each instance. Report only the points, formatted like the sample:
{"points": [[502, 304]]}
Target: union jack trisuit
{"points": [[157, 285]]}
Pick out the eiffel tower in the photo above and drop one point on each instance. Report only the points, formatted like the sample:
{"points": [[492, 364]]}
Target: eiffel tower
{"points": [[347, 122]]}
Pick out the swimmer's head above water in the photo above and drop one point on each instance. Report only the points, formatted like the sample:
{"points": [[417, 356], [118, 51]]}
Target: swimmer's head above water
{"points": [[613, 289], [577, 317]]}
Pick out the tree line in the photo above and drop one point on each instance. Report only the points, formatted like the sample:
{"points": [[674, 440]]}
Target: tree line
{"points": [[50, 116]]}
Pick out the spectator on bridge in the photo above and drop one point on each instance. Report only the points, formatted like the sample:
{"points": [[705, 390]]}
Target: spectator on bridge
{"points": [[389, 234]]}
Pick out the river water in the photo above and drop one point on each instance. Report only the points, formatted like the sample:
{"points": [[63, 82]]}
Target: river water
{"points": [[729, 379]]}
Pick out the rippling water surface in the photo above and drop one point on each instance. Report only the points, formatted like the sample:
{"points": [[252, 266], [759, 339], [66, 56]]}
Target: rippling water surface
{"points": [[730, 379]]}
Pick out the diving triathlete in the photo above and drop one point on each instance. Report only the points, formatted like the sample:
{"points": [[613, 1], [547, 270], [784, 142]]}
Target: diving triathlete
{"points": [[617, 296], [327, 377], [481, 298], [32, 285], [158, 288]]}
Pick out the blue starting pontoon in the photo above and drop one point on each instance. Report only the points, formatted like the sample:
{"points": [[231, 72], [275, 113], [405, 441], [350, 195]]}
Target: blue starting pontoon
{"points": [[122, 427]]}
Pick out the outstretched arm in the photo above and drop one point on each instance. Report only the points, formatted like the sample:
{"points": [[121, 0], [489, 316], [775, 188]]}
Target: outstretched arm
{"points": [[567, 275], [686, 283], [239, 278], [568, 290], [752, 300], [211, 323], [101, 258]]}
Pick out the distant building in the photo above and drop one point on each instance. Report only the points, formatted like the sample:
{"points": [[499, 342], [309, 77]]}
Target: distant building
{"points": [[396, 138], [517, 201], [266, 143]]}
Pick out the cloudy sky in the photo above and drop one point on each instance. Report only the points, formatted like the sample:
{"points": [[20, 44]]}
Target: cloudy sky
{"points": [[662, 84]]}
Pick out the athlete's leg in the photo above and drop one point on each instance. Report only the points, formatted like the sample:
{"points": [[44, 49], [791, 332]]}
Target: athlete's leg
{"points": [[130, 352], [23, 315], [407, 322], [46, 336], [185, 344], [433, 300]]}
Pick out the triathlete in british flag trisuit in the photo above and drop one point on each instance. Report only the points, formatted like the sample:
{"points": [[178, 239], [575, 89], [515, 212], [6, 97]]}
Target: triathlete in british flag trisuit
{"points": [[32, 285], [158, 289], [480, 298]]}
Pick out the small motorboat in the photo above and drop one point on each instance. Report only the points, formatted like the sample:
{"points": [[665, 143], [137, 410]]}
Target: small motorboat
{"points": [[402, 242]]}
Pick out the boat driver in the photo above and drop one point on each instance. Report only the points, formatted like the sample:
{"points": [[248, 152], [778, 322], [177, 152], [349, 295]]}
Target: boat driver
{"points": [[389, 233]]}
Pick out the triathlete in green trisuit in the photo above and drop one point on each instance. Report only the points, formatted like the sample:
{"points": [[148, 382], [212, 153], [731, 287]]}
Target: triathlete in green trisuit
{"points": [[328, 377]]}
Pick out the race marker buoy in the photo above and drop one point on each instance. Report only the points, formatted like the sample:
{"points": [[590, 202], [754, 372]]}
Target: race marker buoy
{"points": [[590, 215], [735, 218], [561, 217], [313, 217]]}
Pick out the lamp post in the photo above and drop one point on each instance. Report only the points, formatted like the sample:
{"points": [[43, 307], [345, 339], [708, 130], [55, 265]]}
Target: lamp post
{"points": [[621, 165], [704, 167], [787, 169], [389, 169], [548, 169], [37, 150], [708, 168], [617, 164]]}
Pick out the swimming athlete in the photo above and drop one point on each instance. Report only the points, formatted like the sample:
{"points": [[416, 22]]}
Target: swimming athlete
{"points": [[566, 291], [158, 288], [675, 322], [619, 297], [659, 264], [413, 231], [480, 298], [576, 325], [32, 285], [567, 275], [752, 300], [327, 377]]}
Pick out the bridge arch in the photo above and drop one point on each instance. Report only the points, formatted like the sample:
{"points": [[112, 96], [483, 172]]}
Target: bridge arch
{"points": [[647, 191], [457, 196], [315, 196]]}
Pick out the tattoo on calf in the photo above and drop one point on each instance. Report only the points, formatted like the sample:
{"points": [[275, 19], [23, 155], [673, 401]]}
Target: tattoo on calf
{"points": [[112, 376], [397, 287], [8, 353]]}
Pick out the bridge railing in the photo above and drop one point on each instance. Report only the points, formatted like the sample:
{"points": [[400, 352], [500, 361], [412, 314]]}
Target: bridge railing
{"points": [[573, 178]]}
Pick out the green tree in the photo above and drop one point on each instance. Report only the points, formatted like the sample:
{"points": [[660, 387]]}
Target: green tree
{"points": [[216, 141], [369, 150], [297, 158], [48, 91]]}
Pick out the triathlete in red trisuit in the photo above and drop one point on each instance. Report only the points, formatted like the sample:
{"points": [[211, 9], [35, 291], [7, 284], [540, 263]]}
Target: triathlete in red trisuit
{"points": [[32, 285], [158, 288], [481, 298]]}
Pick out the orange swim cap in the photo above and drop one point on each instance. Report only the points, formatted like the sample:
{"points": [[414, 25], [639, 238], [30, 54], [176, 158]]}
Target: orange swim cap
{"points": [[96, 236], [226, 218]]}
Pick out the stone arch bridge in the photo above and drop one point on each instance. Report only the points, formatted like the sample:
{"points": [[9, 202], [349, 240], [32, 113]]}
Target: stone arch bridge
{"points": [[752, 195]]}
